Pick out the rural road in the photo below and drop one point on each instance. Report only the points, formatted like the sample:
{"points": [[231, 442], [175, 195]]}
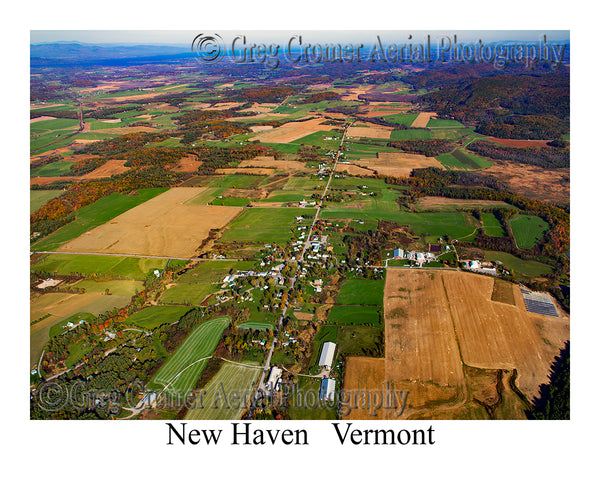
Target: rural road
{"points": [[295, 277]]}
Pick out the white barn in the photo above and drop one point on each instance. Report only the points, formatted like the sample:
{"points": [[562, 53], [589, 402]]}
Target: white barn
{"points": [[327, 391], [326, 359]]}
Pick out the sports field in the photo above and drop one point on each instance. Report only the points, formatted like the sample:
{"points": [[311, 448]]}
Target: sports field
{"points": [[228, 393], [182, 370], [162, 226]]}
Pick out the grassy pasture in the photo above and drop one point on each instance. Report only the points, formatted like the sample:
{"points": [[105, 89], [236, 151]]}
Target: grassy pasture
{"points": [[441, 123], [528, 230], [460, 160], [234, 181], [264, 225], [152, 317], [229, 379], [178, 372], [115, 287], [38, 198], [94, 215], [353, 315], [520, 267], [127, 267], [55, 169], [492, 225], [232, 201], [361, 292], [263, 326], [410, 134], [402, 118]]}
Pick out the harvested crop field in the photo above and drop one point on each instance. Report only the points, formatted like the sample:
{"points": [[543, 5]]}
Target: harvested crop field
{"points": [[509, 142], [261, 128], [533, 182], [372, 130], [354, 170], [422, 119], [189, 163], [293, 131], [270, 162], [41, 119], [398, 164], [162, 226], [111, 167], [223, 106], [245, 171], [440, 324]]}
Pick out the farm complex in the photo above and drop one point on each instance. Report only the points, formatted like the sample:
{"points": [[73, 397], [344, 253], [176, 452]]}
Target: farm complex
{"points": [[212, 243]]}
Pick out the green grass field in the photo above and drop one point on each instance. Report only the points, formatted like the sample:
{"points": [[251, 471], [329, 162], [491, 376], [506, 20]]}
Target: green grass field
{"points": [[152, 317], [286, 196], [231, 201], [59, 327], [206, 196], [438, 224], [353, 315], [460, 160], [126, 267], [115, 287], [54, 124], [305, 404], [410, 134], [520, 267], [264, 225], [182, 370], [528, 230], [38, 198], [492, 225], [234, 181], [361, 292], [194, 285], [402, 118], [94, 215], [55, 169], [440, 123], [219, 400]]}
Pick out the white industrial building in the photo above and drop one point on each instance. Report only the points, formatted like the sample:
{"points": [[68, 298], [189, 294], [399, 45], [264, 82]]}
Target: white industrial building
{"points": [[327, 391], [326, 359]]}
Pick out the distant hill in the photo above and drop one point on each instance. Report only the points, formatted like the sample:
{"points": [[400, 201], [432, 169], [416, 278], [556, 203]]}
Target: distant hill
{"points": [[61, 53]]}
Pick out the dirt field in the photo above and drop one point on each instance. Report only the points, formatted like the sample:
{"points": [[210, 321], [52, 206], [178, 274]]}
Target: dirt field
{"points": [[41, 119], [371, 131], [162, 226], [438, 324], [46, 105], [303, 316], [422, 119], [223, 106], [292, 131], [354, 170], [188, 163], [353, 92], [533, 182], [111, 167], [243, 193], [519, 143], [261, 128], [398, 164], [270, 162]]}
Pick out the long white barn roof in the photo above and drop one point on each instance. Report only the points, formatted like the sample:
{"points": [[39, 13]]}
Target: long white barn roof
{"points": [[327, 353]]}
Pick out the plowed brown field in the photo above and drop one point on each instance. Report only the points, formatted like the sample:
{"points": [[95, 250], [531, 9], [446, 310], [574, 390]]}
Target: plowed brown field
{"points": [[398, 164], [162, 226], [438, 324]]}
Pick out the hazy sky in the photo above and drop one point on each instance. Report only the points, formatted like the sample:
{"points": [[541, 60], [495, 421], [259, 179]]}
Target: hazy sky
{"points": [[184, 37]]}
